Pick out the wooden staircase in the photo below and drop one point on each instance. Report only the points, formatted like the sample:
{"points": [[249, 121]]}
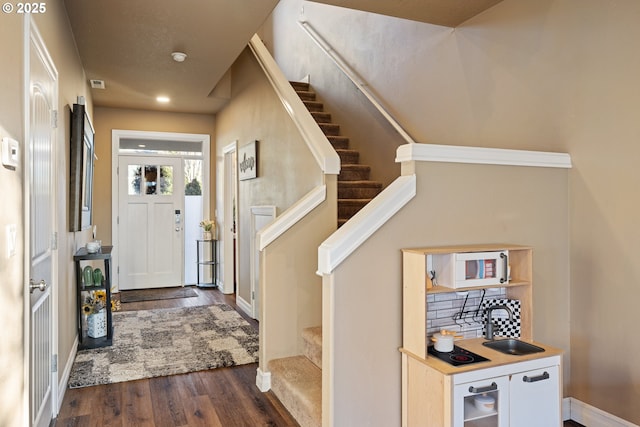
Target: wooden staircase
{"points": [[297, 380], [355, 189]]}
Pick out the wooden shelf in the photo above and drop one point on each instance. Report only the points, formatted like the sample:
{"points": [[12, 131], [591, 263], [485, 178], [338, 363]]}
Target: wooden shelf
{"points": [[417, 285], [104, 255]]}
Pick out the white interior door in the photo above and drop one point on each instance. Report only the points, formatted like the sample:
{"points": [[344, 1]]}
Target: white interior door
{"points": [[151, 212], [260, 216], [229, 271], [40, 208]]}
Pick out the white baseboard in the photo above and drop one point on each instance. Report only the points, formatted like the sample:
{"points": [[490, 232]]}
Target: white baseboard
{"points": [[244, 305], [590, 416], [263, 380], [64, 381]]}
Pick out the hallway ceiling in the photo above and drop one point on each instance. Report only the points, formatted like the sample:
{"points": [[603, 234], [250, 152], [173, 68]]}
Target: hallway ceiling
{"points": [[449, 13], [128, 44]]}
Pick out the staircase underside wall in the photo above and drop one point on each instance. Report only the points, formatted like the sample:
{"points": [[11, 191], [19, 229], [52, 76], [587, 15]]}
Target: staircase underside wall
{"points": [[363, 296], [291, 291]]}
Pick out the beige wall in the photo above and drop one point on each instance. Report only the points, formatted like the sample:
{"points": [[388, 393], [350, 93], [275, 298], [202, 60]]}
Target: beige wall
{"points": [[108, 119], [556, 75], [448, 209], [54, 28], [300, 57], [286, 168], [11, 269]]}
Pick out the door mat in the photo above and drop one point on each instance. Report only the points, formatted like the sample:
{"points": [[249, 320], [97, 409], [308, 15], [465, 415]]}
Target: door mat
{"points": [[156, 294], [167, 341]]}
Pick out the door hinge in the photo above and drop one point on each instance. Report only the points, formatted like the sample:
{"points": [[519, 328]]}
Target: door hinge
{"points": [[54, 363], [54, 240], [253, 296], [54, 119]]}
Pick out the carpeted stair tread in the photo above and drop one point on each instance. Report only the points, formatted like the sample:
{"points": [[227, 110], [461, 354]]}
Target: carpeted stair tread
{"points": [[313, 105], [349, 157], [349, 207], [306, 95], [312, 344], [354, 172], [300, 85], [358, 189], [339, 142], [321, 116], [330, 129], [354, 188], [297, 383]]}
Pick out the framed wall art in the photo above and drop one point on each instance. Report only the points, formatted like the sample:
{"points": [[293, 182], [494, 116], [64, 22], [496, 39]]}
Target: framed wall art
{"points": [[81, 169], [248, 161]]}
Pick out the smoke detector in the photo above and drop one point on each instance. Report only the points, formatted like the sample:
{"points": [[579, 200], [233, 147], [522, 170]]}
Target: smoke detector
{"points": [[179, 56], [97, 84]]}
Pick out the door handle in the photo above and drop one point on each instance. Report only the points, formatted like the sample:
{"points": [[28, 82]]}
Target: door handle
{"points": [[544, 376], [485, 389], [42, 285]]}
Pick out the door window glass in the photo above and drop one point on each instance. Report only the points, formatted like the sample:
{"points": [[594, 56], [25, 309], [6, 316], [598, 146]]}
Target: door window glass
{"points": [[150, 179], [166, 180], [134, 177]]}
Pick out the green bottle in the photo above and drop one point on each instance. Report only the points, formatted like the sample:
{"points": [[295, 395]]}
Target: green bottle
{"points": [[87, 276], [97, 277]]}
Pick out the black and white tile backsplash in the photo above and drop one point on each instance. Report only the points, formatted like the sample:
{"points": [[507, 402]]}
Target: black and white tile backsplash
{"points": [[445, 311]]}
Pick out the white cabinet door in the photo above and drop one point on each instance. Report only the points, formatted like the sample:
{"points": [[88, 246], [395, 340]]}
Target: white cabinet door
{"points": [[535, 398], [468, 414]]}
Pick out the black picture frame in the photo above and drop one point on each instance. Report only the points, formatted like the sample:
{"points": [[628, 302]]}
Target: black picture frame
{"points": [[82, 152], [248, 161]]}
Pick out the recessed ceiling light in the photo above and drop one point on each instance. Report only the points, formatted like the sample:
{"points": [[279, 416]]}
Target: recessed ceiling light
{"points": [[179, 56], [163, 99], [142, 145]]}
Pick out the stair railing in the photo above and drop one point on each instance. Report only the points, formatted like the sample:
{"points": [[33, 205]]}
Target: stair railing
{"points": [[318, 144], [320, 147], [355, 78]]}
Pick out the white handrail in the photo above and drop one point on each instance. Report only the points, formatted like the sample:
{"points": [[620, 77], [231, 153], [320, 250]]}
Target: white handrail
{"points": [[355, 78], [292, 215], [318, 144], [363, 224]]}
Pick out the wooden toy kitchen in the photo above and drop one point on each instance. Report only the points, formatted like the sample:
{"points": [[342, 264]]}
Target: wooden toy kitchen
{"points": [[493, 374]]}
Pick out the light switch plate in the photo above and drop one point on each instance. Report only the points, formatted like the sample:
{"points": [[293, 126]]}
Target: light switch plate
{"points": [[12, 231], [10, 152]]}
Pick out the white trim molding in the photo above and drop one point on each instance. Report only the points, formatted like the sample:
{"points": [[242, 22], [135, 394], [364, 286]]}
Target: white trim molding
{"points": [[591, 416], [367, 221], [64, 380], [481, 155], [318, 144], [263, 380], [292, 215]]}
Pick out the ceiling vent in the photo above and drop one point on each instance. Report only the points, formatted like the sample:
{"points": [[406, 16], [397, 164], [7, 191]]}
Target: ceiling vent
{"points": [[97, 84]]}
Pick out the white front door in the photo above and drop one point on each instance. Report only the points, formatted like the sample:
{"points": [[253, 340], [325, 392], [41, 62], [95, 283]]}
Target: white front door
{"points": [[151, 212], [41, 211]]}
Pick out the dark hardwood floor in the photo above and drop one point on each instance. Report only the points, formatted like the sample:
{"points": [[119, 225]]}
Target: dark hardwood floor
{"points": [[225, 397], [220, 397]]}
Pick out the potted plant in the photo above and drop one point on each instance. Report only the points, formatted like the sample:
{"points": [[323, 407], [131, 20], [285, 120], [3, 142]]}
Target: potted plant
{"points": [[208, 226]]}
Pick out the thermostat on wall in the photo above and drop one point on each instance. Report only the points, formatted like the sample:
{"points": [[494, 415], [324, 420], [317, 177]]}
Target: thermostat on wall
{"points": [[10, 151]]}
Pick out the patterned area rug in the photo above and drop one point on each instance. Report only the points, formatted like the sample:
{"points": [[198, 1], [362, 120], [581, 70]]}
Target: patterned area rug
{"points": [[155, 343]]}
